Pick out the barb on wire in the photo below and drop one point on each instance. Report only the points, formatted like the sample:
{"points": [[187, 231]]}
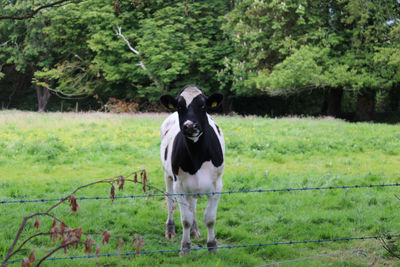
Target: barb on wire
{"points": [[220, 247], [23, 201], [328, 254]]}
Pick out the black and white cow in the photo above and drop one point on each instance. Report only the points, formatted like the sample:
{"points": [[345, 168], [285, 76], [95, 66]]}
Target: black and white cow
{"points": [[192, 155]]}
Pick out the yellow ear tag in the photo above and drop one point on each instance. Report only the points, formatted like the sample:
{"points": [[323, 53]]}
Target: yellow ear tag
{"points": [[214, 104], [171, 106]]}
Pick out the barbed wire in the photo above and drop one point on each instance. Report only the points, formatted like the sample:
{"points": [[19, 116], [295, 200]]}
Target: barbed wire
{"points": [[328, 254], [220, 247], [208, 193]]}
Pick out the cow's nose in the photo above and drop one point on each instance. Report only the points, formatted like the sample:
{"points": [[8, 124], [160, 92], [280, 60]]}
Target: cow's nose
{"points": [[190, 127], [188, 124]]}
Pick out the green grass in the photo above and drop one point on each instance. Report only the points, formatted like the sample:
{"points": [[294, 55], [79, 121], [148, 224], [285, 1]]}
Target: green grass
{"points": [[49, 155]]}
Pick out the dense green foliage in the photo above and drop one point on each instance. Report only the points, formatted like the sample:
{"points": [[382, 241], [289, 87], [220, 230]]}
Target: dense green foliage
{"points": [[49, 155], [242, 48]]}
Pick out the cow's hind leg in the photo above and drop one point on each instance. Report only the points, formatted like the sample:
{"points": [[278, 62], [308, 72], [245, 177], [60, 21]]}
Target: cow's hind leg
{"points": [[170, 224], [194, 230], [187, 222], [210, 215]]}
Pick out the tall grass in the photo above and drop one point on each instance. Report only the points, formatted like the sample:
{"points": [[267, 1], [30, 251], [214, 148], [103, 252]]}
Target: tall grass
{"points": [[48, 155]]}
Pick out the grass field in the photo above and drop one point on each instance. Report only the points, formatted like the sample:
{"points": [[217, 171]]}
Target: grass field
{"points": [[49, 155]]}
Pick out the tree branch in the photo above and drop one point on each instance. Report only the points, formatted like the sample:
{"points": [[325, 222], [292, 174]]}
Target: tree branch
{"points": [[119, 33], [141, 64], [63, 95], [72, 241], [32, 13], [74, 235]]}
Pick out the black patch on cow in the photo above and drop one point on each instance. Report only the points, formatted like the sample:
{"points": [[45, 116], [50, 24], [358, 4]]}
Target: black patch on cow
{"points": [[219, 131], [166, 153], [189, 156]]}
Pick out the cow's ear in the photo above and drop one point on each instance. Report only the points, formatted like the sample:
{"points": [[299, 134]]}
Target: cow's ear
{"points": [[214, 100], [169, 102]]}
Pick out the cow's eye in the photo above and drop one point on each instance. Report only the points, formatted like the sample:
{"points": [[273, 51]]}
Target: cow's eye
{"points": [[203, 107]]}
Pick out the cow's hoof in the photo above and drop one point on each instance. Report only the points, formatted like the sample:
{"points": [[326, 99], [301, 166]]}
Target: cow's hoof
{"points": [[212, 246], [170, 235], [170, 231], [185, 249]]}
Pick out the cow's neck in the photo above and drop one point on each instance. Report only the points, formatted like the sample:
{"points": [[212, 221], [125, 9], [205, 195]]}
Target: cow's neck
{"points": [[190, 155], [195, 139], [198, 150], [194, 145]]}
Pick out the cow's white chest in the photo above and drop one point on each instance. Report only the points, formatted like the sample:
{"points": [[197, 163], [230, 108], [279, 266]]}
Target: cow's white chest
{"points": [[206, 179]]}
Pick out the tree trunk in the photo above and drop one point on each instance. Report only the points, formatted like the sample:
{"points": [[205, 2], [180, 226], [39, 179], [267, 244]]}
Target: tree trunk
{"points": [[394, 97], [21, 82], [365, 105], [334, 102], [43, 96]]}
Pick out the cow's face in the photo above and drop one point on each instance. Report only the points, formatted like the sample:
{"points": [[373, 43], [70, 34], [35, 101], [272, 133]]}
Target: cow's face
{"points": [[192, 106]]}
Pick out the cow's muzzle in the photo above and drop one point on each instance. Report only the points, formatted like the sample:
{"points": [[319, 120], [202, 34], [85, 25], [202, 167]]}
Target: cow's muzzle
{"points": [[191, 129]]}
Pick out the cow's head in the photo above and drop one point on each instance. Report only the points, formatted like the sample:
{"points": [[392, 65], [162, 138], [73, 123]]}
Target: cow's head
{"points": [[192, 106]]}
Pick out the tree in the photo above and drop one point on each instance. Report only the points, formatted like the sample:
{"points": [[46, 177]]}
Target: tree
{"points": [[29, 48], [74, 74], [324, 45], [179, 43], [263, 34]]}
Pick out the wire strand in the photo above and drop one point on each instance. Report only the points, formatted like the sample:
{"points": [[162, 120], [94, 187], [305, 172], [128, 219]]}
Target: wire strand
{"points": [[220, 247], [24, 201], [325, 255]]}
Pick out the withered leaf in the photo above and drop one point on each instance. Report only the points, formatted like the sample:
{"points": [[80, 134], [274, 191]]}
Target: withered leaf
{"points": [[62, 227], [106, 237], [72, 203], [77, 232], [32, 257], [25, 263], [88, 244], [36, 225], [143, 177], [122, 182], [54, 233], [98, 249], [54, 223], [112, 193]]}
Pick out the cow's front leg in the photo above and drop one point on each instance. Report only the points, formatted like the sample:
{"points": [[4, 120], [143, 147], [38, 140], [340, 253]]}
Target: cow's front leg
{"points": [[170, 224], [210, 216], [187, 222]]}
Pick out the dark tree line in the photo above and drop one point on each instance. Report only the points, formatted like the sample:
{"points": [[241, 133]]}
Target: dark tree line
{"points": [[295, 56]]}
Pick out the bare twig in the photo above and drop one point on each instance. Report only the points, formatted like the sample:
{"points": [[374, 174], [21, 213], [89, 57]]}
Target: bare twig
{"points": [[71, 197], [119, 33], [21, 228], [72, 241]]}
